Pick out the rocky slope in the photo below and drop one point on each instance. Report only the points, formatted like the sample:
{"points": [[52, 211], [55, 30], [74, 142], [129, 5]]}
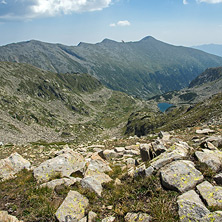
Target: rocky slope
{"points": [[144, 68], [167, 177], [38, 105]]}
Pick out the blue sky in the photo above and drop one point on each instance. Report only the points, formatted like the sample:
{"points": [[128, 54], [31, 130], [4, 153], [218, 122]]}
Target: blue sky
{"points": [[179, 22]]}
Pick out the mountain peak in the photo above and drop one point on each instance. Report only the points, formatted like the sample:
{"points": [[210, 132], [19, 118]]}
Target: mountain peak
{"points": [[147, 38], [108, 41]]}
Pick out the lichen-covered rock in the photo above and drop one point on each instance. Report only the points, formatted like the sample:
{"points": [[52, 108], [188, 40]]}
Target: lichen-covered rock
{"points": [[110, 154], [164, 135], [12, 165], [137, 217], [176, 152], [180, 175], [64, 181], [63, 165], [213, 217], [191, 208], [5, 217], [211, 194], [73, 207], [98, 166], [213, 158], [109, 219]]}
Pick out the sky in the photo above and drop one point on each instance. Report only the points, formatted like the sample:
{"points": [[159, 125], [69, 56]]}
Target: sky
{"points": [[178, 22]]}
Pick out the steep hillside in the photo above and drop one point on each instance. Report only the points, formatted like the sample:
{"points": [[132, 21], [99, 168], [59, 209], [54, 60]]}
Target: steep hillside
{"points": [[144, 68], [41, 105]]}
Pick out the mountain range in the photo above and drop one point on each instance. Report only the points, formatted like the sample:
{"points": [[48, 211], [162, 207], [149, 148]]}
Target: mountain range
{"points": [[214, 49], [144, 68]]}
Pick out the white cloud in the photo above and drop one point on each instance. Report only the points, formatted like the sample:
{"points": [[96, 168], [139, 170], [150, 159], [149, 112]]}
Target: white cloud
{"points": [[120, 23], [210, 1], [29, 9], [123, 23], [185, 2]]}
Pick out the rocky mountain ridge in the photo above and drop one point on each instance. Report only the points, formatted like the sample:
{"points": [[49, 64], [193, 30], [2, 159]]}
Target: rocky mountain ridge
{"points": [[143, 68]]}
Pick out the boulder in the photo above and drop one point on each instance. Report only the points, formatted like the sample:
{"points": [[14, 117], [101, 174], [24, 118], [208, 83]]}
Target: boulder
{"points": [[191, 208], [5, 217], [180, 176], [213, 158], [158, 147], [63, 165], [218, 178], [110, 154], [97, 166], [12, 165], [145, 152], [73, 207], [92, 184], [137, 217], [64, 181], [176, 152], [211, 194], [130, 162]]}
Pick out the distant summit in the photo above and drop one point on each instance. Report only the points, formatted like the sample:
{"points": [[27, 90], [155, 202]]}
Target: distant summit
{"points": [[210, 48]]}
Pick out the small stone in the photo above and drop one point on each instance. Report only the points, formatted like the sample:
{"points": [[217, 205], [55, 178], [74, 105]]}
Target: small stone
{"points": [[149, 171], [117, 182], [109, 219], [137, 217], [110, 207], [204, 131], [92, 216], [119, 149]]}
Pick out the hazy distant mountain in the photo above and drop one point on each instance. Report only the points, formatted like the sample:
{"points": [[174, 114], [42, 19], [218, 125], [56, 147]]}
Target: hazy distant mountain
{"points": [[210, 48], [144, 68]]}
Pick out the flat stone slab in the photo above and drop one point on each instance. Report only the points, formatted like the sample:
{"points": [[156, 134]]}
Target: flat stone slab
{"points": [[176, 152], [137, 217], [92, 184], [205, 131], [213, 158], [180, 175], [191, 208], [73, 207], [63, 165], [12, 165], [211, 194]]}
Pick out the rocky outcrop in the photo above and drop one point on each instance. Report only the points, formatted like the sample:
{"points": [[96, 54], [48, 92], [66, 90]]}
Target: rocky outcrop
{"points": [[12, 165], [73, 207]]}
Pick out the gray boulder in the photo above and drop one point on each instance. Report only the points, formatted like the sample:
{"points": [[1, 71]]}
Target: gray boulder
{"points": [[92, 184], [218, 178], [63, 165], [191, 208], [211, 194], [12, 165], [215, 217], [213, 158], [72, 207], [180, 175]]}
